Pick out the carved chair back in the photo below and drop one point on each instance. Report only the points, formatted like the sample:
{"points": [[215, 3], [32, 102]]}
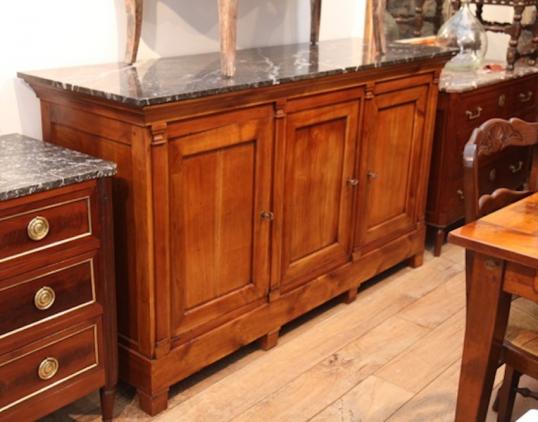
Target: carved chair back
{"points": [[489, 140]]}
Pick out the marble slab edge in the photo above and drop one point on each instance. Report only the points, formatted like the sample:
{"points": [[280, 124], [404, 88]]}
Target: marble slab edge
{"points": [[35, 166], [150, 101]]}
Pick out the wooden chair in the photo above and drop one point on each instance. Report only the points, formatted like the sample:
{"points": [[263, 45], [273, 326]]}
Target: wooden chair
{"points": [[496, 136]]}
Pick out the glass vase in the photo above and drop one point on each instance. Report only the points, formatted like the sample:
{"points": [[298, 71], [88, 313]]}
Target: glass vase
{"points": [[464, 32]]}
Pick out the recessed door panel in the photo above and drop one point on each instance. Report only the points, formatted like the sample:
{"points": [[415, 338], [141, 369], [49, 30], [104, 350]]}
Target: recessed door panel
{"points": [[391, 165], [318, 192], [220, 184]]}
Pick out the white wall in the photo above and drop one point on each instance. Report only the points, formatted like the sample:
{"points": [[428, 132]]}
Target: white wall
{"points": [[39, 34]]}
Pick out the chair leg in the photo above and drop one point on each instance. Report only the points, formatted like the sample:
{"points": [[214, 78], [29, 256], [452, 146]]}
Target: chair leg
{"points": [[512, 54], [507, 394]]}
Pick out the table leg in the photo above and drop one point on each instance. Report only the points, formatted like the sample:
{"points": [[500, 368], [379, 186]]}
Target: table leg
{"points": [[228, 35], [315, 21], [487, 317], [134, 28]]}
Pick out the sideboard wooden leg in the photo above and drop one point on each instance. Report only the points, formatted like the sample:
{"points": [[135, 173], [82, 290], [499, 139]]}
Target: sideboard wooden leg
{"points": [[269, 340], [107, 396], [416, 260], [153, 404], [134, 28], [350, 295], [439, 240]]}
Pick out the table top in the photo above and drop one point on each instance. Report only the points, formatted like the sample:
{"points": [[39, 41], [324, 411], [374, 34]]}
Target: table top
{"points": [[171, 79], [510, 233], [458, 82], [28, 166]]}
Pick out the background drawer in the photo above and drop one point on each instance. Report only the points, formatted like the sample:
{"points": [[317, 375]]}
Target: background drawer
{"points": [[31, 372], [32, 298], [478, 108], [66, 221], [523, 95]]}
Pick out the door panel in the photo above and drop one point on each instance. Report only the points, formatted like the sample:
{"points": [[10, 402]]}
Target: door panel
{"points": [[319, 159], [391, 165], [220, 184]]}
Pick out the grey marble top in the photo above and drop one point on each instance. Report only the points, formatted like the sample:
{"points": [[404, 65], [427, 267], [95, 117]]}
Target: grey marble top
{"points": [[28, 166], [467, 81], [177, 78]]}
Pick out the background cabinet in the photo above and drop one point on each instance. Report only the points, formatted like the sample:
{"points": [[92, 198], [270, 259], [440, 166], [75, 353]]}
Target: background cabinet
{"points": [[458, 114]]}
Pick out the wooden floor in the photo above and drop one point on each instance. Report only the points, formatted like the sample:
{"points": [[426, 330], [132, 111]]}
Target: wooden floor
{"points": [[392, 355]]}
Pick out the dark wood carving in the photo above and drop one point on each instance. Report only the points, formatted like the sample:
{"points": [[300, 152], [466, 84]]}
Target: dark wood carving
{"points": [[492, 138]]}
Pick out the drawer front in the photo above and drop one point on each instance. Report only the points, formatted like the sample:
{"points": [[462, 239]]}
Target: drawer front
{"points": [[478, 108], [31, 300], [32, 372], [40, 228], [523, 94], [509, 170]]}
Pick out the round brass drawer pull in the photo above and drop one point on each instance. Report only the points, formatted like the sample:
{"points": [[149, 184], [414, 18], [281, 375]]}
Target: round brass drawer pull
{"points": [[38, 228], [48, 368], [44, 298]]}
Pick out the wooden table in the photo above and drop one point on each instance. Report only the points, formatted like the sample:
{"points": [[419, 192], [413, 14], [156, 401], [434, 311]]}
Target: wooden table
{"points": [[505, 246]]}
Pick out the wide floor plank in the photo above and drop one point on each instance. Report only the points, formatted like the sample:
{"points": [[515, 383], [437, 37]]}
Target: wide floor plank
{"points": [[373, 400]]}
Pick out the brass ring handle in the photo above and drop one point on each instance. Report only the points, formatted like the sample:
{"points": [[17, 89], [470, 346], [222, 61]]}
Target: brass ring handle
{"points": [[44, 298], [502, 100], [460, 194], [525, 97], [353, 182], [371, 175], [474, 115], [48, 368], [514, 169], [38, 228]]}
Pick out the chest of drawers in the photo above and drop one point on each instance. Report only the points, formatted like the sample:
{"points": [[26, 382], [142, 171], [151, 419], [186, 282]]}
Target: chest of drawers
{"points": [[458, 113], [57, 294]]}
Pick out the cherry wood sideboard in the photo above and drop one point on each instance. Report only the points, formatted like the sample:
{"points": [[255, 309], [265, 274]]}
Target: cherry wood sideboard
{"points": [[58, 337], [239, 208], [458, 113]]}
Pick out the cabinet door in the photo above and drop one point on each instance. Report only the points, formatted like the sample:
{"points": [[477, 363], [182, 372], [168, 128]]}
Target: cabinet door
{"points": [[391, 164], [220, 183], [319, 156]]}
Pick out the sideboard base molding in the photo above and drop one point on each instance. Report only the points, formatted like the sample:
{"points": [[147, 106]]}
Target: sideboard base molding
{"points": [[153, 377]]}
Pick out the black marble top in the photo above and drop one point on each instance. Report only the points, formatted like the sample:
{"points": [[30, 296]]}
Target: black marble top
{"points": [[177, 78], [28, 166]]}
